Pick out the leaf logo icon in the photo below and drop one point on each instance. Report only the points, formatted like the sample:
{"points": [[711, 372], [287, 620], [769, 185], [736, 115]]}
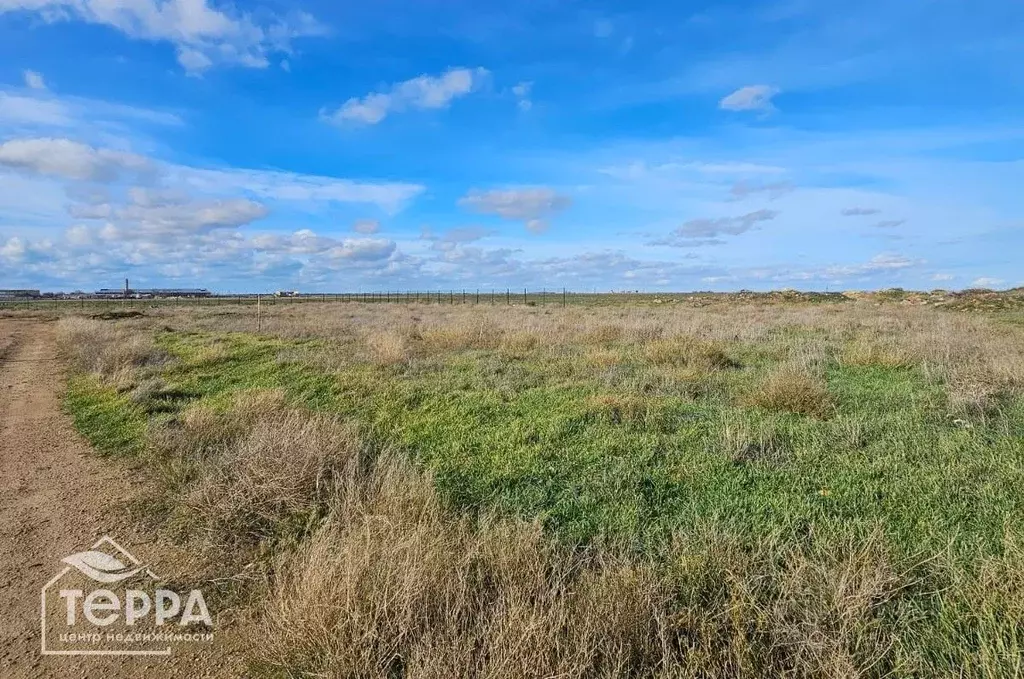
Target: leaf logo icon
{"points": [[101, 567]]}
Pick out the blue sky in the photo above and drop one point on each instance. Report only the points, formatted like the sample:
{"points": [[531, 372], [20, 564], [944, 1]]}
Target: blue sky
{"points": [[449, 144]]}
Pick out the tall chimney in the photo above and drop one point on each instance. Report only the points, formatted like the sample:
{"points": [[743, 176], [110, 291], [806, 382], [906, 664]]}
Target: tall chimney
{"points": [[126, 288]]}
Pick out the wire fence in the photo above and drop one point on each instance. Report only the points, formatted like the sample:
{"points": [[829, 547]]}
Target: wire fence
{"points": [[493, 297]]}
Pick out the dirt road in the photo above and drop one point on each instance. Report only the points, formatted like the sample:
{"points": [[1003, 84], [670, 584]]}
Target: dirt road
{"points": [[57, 497]]}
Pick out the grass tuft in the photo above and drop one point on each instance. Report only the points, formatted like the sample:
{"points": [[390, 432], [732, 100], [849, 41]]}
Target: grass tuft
{"points": [[794, 391]]}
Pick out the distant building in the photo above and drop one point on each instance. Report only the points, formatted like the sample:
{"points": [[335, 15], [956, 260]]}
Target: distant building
{"points": [[176, 292], [129, 293], [19, 294]]}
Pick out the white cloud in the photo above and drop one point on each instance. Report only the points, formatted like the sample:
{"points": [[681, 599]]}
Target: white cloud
{"points": [[201, 34], [13, 250], [750, 98], [889, 223], [534, 206], [366, 226], [194, 61], [363, 249], [151, 183], [307, 243], [145, 220], [522, 93], [942, 277], [201, 256], [423, 92], [34, 80], [70, 159], [987, 282], [706, 231]]}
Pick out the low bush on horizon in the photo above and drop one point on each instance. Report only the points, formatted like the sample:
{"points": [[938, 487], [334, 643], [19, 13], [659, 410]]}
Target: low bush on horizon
{"points": [[822, 491]]}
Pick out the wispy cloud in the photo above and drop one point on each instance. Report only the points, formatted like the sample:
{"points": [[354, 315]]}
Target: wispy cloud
{"points": [[366, 226], [860, 211], [42, 111], [522, 94], [750, 98], [773, 190], [34, 80], [422, 92], [296, 187], [697, 232]]}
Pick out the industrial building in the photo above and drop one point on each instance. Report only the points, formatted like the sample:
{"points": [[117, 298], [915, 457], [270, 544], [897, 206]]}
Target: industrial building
{"points": [[129, 293], [20, 294]]}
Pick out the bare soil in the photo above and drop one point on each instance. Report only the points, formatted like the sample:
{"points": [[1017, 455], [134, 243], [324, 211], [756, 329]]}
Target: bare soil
{"points": [[57, 497]]}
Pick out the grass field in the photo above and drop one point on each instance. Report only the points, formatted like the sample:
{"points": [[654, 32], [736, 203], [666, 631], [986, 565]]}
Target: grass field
{"points": [[741, 487]]}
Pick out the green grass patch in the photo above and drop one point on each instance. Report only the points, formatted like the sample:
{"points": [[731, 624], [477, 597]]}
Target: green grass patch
{"points": [[510, 435], [625, 452], [110, 421], [214, 368]]}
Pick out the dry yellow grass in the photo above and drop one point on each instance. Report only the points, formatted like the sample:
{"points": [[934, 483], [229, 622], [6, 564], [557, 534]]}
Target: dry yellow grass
{"points": [[887, 354], [683, 350], [602, 358], [388, 348], [393, 585], [792, 390], [602, 334], [105, 348]]}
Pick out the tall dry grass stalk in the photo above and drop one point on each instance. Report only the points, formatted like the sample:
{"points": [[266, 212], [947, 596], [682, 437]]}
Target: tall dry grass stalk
{"points": [[107, 349], [272, 481]]}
